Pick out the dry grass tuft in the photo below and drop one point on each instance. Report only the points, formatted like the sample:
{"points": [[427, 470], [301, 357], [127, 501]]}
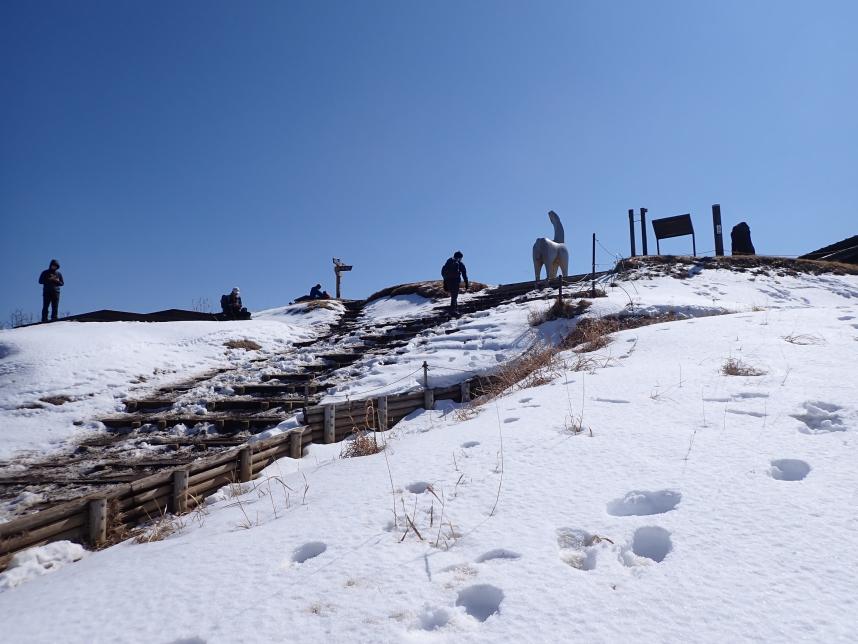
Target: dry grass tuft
{"points": [[564, 309], [247, 345], [735, 367], [311, 305], [160, 528], [363, 444], [804, 339], [537, 366]]}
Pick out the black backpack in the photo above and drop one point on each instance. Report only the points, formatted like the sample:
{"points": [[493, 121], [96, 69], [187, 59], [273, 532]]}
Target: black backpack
{"points": [[450, 270]]}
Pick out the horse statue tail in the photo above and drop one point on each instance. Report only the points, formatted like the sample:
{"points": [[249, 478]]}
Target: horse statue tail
{"points": [[559, 235]]}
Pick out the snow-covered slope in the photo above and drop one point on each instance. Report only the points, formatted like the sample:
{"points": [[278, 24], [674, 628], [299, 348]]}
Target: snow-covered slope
{"points": [[97, 364], [691, 506]]}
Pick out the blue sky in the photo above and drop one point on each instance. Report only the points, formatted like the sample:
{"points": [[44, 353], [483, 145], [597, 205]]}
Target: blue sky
{"points": [[165, 152]]}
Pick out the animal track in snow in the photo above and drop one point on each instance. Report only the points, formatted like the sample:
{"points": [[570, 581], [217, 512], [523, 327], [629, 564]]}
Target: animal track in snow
{"points": [[789, 469], [525, 400], [418, 487], [480, 601], [578, 548], [651, 542], [844, 318], [308, 551], [643, 503], [612, 400], [470, 444], [820, 418], [499, 553], [511, 419]]}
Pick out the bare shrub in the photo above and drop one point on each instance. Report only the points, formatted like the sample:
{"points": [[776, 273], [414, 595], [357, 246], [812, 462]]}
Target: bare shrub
{"points": [[363, 444], [564, 309], [160, 528], [19, 318], [804, 339], [247, 345], [201, 305], [735, 367], [537, 366]]}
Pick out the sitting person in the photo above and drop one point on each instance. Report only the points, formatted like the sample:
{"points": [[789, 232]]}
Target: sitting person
{"points": [[316, 292], [232, 308]]}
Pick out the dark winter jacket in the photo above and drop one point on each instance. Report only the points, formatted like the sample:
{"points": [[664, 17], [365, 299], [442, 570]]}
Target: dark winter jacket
{"points": [[235, 301], [456, 273], [51, 281], [316, 292]]}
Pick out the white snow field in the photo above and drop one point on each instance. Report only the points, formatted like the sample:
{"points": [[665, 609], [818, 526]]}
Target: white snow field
{"points": [[692, 506], [98, 364]]}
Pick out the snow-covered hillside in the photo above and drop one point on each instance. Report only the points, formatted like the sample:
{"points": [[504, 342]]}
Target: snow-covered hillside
{"points": [[647, 497]]}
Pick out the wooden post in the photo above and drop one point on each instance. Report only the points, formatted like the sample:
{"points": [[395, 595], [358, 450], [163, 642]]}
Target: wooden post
{"points": [[465, 389], [382, 414], [632, 229], [296, 444], [245, 464], [330, 422], [97, 533], [643, 231], [180, 492], [593, 290], [716, 224], [428, 394], [429, 399]]}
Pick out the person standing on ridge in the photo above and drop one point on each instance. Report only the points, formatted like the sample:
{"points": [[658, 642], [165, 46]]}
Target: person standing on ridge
{"points": [[51, 280], [453, 272]]}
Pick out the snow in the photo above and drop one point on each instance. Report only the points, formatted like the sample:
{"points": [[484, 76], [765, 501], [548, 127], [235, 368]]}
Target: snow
{"points": [[692, 506], [98, 364]]}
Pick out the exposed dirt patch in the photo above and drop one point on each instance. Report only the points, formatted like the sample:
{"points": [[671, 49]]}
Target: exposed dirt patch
{"points": [[55, 400], [247, 345]]}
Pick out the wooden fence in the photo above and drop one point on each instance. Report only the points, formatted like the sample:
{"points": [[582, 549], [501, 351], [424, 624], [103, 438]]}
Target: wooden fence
{"points": [[99, 518]]}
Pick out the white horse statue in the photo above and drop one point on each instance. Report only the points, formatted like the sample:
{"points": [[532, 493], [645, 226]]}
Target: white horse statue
{"points": [[552, 254]]}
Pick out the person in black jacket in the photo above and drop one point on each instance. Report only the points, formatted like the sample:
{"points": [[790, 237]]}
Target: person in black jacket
{"points": [[453, 273], [51, 281]]}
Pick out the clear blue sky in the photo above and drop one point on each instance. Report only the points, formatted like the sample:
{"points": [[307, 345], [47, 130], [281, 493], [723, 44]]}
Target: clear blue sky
{"points": [[166, 151]]}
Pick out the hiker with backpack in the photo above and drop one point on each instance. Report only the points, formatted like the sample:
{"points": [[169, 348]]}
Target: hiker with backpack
{"points": [[51, 280], [453, 272], [231, 306]]}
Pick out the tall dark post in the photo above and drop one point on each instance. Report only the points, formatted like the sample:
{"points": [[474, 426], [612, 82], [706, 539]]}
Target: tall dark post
{"points": [[632, 229], [716, 223], [593, 294], [643, 231]]}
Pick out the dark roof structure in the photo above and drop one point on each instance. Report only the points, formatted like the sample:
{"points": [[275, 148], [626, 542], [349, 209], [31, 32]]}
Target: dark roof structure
{"points": [[845, 251]]}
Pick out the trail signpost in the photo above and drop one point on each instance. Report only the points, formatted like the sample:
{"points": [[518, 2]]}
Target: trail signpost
{"points": [[339, 268]]}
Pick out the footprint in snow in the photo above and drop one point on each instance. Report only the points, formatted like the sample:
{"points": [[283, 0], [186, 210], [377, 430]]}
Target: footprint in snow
{"points": [[649, 544], [749, 394], [418, 487], [499, 553], [643, 503], [308, 551], [789, 469], [470, 444], [480, 601], [525, 400], [511, 419], [820, 418], [618, 401], [845, 318]]}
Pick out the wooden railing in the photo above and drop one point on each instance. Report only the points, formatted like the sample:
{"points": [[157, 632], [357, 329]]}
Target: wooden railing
{"points": [[97, 519]]}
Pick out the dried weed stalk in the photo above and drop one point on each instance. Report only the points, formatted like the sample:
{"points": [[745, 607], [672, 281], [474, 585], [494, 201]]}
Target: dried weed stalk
{"points": [[735, 367]]}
